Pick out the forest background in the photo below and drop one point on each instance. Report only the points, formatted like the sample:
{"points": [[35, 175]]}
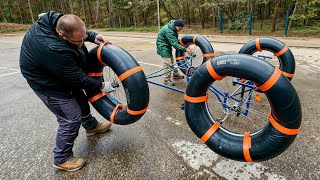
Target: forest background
{"points": [[268, 17]]}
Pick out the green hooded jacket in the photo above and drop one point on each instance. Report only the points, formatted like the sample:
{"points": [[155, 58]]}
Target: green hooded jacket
{"points": [[168, 37]]}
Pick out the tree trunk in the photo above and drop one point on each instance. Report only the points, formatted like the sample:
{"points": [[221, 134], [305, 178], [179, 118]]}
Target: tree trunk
{"points": [[30, 11], [275, 13], [90, 12], [97, 11], [71, 6], [19, 9], [164, 7], [2, 14], [294, 11], [61, 6], [305, 21], [84, 10]]}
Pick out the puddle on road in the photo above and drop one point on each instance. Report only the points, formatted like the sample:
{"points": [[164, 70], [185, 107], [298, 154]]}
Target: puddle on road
{"points": [[198, 155]]}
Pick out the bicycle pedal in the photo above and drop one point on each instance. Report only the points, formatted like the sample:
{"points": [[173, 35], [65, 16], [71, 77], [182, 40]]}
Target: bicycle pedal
{"points": [[258, 98]]}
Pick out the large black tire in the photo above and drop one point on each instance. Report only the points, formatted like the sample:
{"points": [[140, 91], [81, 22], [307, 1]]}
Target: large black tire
{"points": [[187, 40], [271, 140], [132, 78], [280, 50]]}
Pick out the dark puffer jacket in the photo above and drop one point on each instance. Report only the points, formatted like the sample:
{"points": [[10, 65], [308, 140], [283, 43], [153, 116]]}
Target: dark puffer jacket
{"points": [[51, 65], [168, 37]]}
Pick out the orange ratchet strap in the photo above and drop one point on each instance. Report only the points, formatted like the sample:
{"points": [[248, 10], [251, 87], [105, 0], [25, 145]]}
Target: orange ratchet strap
{"points": [[180, 58], [212, 72], [208, 55], [96, 97], [95, 74], [128, 73], [288, 74], [182, 43], [285, 48], [115, 111], [194, 39], [210, 132], [282, 129], [247, 146], [137, 112], [271, 81], [99, 52], [196, 99], [258, 45]]}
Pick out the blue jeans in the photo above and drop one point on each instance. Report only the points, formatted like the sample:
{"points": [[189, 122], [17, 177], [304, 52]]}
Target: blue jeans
{"points": [[70, 113]]}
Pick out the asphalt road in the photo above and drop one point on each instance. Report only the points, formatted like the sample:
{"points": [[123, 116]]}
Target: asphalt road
{"points": [[160, 145]]}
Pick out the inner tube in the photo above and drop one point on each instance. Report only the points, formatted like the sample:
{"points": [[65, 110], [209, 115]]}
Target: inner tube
{"points": [[284, 119], [284, 54], [131, 76], [186, 41]]}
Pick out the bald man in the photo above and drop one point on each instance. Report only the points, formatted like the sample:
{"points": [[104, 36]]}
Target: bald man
{"points": [[52, 59]]}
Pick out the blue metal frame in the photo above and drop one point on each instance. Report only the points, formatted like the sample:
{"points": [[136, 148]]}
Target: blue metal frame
{"points": [[164, 71], [221, 96]]}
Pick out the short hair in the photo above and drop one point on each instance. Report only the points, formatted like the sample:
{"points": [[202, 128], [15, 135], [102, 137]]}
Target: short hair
{"points": [[69, 24]]}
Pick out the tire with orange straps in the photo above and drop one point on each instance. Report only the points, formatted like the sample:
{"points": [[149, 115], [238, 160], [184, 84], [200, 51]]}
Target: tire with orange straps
{"points": [[132, 78], [271, 140], [186, 41], [280, 50]]}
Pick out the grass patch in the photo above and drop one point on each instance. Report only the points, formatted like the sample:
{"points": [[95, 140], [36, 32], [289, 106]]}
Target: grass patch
{"points": [[13, 27]]}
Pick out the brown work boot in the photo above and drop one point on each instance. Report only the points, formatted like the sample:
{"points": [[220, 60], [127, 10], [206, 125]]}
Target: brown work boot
{"points": [[168, 82], [101, 127], [177, 76], [72, 164]]}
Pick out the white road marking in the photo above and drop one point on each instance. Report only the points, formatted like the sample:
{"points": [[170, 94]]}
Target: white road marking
{"points": [[150, 64], [9, 74], [175, 121], [9, 68], [10, 42], [307, 68], [196, 155], [199, 155], [241, 170], [315, 66]]}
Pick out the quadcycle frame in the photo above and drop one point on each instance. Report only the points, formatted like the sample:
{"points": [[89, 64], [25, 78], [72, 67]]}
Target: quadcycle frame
{"points": [[248, 77], [221, 96]]}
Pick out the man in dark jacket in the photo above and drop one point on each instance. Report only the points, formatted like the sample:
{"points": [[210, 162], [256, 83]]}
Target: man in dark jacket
{"points": [[168, 37], [52, 59]]}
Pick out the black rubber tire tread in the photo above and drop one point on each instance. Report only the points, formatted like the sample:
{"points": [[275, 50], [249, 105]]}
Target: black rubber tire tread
{"points": [[203, 44], [286, 60], [135, 86], [283, 99]]}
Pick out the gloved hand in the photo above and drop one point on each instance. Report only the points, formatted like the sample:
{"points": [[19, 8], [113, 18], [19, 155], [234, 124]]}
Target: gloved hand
{"points": [[100, 38], [107, 87], [189, 51]]}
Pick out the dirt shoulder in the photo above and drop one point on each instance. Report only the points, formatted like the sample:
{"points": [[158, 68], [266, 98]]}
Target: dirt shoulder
{"points": [[7, 29], [13, 27]]}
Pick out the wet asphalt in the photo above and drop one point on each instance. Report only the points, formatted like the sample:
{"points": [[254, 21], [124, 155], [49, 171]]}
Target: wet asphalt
{"points": [[159, 146]]}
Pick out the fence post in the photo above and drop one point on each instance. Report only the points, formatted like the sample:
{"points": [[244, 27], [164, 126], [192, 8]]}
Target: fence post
{"points": [[287, 23], [220, 21], [250, 23]]}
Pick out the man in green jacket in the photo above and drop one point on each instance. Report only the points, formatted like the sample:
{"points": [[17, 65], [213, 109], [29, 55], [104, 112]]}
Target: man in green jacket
{"points": [[168, 37]]}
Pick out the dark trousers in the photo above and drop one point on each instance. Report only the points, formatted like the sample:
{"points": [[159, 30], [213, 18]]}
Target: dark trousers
{"points": [[70, 113]]}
